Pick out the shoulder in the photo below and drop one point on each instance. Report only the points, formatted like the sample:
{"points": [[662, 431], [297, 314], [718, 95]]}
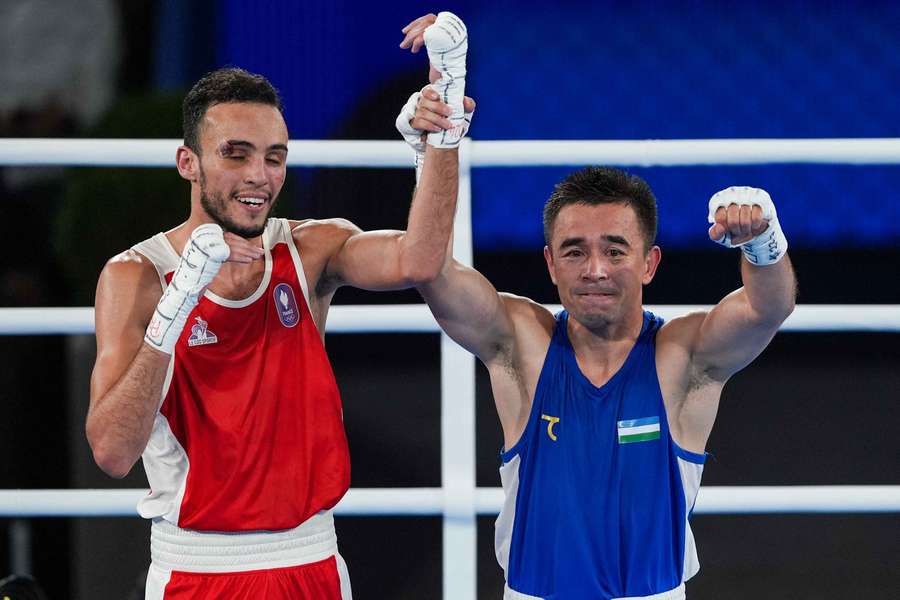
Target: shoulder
{"points": [[676, 345], [532, 324], [327, 231], [681, 331], [127, 292], [130, 269], [319, 241], [525, 312]]}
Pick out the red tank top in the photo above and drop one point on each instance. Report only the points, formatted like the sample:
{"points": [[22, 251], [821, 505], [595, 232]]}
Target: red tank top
{"points": [[253, 404]]}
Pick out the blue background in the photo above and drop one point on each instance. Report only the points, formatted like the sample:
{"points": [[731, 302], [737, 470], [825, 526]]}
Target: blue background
{"points": [[607, 70]]}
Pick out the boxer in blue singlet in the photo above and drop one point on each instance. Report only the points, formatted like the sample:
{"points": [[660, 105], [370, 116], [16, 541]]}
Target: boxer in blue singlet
{"points": [[605, 409]]}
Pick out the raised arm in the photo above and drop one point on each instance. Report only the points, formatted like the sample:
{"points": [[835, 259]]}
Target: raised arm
{"points": [[382, 260], [469, 309], [740, 326], [697, 353]]}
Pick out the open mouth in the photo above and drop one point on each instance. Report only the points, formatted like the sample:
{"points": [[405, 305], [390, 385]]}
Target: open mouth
{"points": [[253, 203]]}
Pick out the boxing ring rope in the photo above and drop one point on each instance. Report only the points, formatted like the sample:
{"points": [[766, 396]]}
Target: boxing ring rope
{"points": [[416, 318], [544, 153], [458, 499]]}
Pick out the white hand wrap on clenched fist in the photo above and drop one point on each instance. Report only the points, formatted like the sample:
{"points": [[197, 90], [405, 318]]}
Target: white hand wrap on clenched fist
{"points": [[414, 137], [766, 248], [203, 255], [447, 42]]}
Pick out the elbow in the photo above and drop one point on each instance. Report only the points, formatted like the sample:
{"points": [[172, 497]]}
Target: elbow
{"points": [[786, 307], [422, 273], [111, 461], [776, 313], [116, 466]]}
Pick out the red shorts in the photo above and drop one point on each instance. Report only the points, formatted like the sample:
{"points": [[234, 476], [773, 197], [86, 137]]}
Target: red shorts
{"points": [[314, 581]]}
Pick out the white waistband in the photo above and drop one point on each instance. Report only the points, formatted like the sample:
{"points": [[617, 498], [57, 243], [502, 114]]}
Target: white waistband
{"points": [[176, 549], [676, 594]]}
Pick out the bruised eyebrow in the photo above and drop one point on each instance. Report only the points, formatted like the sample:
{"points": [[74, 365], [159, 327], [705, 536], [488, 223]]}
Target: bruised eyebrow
{"points": [[229, 145]]}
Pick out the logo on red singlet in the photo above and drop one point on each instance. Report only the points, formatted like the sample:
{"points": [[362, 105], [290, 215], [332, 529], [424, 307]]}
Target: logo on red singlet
{"points": [[286, 305], [201, 335]]}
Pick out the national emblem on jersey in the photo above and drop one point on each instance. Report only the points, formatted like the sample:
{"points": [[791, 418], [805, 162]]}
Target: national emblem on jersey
{"points": [[638, 430], [286, 305], [201, 335]]}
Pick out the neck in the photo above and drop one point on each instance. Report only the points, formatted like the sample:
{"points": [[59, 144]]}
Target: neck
{"points": [[602, 350]]}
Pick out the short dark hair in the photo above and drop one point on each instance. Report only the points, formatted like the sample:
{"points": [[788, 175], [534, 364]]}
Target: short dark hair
{"points": [[604, 185], [223, 85]]}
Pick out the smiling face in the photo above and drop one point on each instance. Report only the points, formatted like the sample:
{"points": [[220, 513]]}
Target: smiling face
{"points": [[598, 260], [241, 167]]}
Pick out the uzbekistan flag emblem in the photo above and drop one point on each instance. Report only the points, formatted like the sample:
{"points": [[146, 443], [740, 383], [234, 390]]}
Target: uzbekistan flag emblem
{"points": [[638, 430]]}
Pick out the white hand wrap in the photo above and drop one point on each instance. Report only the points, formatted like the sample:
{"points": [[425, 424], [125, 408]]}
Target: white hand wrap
{"points": [[768, 247], [203, 255], [447, 42], [413, 136]]}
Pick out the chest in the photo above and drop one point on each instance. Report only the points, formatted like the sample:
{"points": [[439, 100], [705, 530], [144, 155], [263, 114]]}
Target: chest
{"points": [[237, 285], [626, 409]]}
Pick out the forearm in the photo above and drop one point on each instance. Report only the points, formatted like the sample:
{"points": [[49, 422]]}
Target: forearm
{"points": [[770, 290], [424, 245], [120, 421]]}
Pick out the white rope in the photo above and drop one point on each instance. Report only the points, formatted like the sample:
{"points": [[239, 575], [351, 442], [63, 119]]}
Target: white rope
{"points": [[416, 318], [371, 153], [488, 501]]}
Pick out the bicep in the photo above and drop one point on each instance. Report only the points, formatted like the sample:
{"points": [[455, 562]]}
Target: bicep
{"points": [[368, 260], [126, 298], [470, 310], [730, 336]]}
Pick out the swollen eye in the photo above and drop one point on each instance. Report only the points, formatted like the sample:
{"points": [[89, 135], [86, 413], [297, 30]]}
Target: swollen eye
{"points": [[226, 150]]}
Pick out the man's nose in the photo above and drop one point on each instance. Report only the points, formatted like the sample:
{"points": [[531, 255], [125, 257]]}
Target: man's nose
{"points": [[595, 268], [255, 170]]}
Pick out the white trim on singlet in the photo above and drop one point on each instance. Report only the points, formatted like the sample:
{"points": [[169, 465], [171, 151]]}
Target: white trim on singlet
{"points": [[691, 473], [503, 526], [288, 237], [166, 464], [161, 254], [164, 257]]}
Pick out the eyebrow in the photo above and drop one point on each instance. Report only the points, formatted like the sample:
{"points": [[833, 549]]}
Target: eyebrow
{"points": [[577, 241], [251, 146], [617, 239]]}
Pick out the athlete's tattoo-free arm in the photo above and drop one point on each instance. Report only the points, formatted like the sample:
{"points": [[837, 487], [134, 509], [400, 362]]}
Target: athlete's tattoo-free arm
{"points": [[384, 260], [469, 309], [743, 323], [128, 376]]}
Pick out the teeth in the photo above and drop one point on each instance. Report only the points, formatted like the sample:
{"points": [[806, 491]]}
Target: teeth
{"points": [[251, 201]]}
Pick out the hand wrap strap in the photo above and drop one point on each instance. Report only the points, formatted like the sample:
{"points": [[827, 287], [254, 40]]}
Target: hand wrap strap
{"points": [[201, 260], [447, 42]]}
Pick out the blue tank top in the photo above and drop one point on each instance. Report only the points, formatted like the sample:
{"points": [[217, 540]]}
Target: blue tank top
{"points": [[598, 495]]}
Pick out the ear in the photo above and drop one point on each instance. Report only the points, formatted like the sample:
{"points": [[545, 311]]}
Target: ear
{"points": [[651, 262], [548, 256], [188, 163]]}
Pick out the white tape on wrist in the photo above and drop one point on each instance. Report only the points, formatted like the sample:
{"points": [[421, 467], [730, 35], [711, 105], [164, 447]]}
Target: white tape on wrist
{"points": [[201, 260], [414, 137], [447, 42], [768, 247]]}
